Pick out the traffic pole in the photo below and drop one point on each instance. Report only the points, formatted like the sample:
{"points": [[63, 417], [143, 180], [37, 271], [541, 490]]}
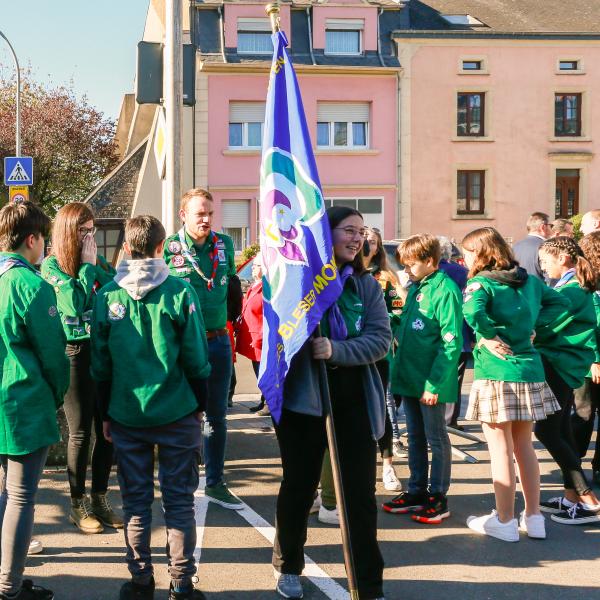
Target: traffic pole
{"points": [[18, 97]]}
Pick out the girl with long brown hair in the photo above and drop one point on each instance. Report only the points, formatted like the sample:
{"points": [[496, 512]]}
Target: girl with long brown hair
{"points": [[567, 357], [502, 305], [76, 271]]}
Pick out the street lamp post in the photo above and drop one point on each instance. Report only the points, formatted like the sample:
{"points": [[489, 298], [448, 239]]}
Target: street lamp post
{"points": [[18, 124]]}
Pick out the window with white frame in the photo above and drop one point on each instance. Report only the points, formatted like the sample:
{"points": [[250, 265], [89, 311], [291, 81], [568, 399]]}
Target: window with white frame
{"points": [[344, 36], [370, 208], [236, 222], [246, 120], [254, 36], [343, 125]]}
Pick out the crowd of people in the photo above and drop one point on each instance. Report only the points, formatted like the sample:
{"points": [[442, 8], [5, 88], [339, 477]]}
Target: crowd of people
{"points": [[143, 356]]}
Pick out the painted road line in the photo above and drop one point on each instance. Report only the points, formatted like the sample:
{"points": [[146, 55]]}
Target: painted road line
{"points": [[329, 587]]}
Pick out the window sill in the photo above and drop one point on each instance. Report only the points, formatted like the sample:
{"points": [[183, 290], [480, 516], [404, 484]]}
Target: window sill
{"points": [[472, 138], [349, 151], [483, 217], [578, 72], [482, 72], [573, 138], [242, 152]]}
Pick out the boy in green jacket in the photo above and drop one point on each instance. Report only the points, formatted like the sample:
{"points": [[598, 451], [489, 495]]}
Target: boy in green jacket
{"points": [[34, 380], [154, 398], [429, 337]]}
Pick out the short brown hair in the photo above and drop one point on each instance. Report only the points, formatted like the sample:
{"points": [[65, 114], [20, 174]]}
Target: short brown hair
{"points": [[419, 247], [536, 220], [65, 236], [491, 250], [560, 226], [20, 220], [143, 234], [193, 193]]}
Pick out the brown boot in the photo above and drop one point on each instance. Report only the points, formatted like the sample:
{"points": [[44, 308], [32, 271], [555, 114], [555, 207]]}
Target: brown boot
{"points": [[83, 517], [104, 511]]}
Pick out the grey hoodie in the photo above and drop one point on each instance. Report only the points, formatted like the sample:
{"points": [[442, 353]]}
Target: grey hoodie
{"points": [[139, 277]]}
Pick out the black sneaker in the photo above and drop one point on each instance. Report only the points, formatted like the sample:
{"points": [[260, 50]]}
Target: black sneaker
{"points": [[191, 594], [29, 591], [577, 515], [556, 505], [404, 503], [136, 591], [434, 512]]}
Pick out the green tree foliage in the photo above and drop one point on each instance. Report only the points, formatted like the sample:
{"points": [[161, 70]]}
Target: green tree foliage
{"points": [[250, 251], [70, 141], [576, 220]]}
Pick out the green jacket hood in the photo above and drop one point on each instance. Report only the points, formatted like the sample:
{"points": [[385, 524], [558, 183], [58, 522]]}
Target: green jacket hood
{"points": [[138, 277], [515, 277]]}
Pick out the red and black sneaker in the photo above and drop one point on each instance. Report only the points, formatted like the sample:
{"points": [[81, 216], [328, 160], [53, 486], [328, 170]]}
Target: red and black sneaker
{"points": [[404, 503], [434, 511]]}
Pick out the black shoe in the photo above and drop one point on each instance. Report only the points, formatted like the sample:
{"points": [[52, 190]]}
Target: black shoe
{"points": [[577, 515], [29, 591], [434, 512], [191, 594], [405, 502], [135, 591], [263, 412], [256, 408]]}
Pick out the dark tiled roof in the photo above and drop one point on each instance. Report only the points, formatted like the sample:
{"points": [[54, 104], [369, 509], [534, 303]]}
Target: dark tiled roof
{"points": [[114, 196], [509, 16]]}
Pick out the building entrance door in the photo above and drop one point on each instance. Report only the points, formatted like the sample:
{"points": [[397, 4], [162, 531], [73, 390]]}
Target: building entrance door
{"points": [[567, 193]]}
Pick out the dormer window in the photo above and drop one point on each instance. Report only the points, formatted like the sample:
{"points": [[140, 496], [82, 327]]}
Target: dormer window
{"points": [[254, 36], [344, 36], [464, 20]]}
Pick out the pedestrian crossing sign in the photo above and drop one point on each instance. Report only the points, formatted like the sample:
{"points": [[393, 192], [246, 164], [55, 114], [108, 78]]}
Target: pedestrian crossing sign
{"points": [[18, 170]]}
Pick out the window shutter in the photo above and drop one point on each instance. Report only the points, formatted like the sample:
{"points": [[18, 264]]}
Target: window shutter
{"points": [[246, 112], [343, 111], [345, 24], [259, 25], [236, 213]]}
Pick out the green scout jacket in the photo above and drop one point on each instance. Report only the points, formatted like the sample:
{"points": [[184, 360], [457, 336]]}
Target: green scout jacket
{"points": [[212, 302], [35, 372], [148, 349], [493, 309], [352, 310], [75, 296], [393, 303], [429, 337], [571, 351]]}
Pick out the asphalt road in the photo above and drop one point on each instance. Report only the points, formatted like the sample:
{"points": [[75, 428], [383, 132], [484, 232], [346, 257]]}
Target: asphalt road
{"points": [[422, 562]]}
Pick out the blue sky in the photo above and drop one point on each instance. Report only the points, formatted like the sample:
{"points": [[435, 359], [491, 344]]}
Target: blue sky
{"points": [[91, 43]]}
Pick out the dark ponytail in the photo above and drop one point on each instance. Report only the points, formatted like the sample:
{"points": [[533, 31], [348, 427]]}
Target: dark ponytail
{"points": [[583, 269]]}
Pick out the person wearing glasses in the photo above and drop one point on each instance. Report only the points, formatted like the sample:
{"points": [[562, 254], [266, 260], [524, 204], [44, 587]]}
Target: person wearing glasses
{"points": [[76, 272]]}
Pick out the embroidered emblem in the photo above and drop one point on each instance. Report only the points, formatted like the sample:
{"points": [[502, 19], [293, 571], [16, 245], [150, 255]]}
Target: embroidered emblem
{"points": [[192, 308], [116, 311], [178, 260], [174, 247], [222, 256], [397, 304], [220, 244], [71, 320], [223, 280], [393, 293], [449, 337], [183, 270], [358, 324], [52, 311], [418, 325], [186, 279], [87, 315], [87, 328], [193, 251], [53, 279], [473, 286], [419, 297]]}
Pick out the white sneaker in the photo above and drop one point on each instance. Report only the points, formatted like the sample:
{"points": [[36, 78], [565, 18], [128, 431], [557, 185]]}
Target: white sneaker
{"points": [[390, 481], [492, 526], [534, 526], [330, 517], [35, 547], [316, 505]]}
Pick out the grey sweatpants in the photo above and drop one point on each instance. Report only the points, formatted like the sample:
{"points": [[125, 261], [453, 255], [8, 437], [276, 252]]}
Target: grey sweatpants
{"points": [[178, 456], [18, 487]]}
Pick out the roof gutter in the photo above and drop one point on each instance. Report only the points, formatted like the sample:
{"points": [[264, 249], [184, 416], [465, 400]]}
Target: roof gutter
{"points": [[310, 43], [463, 33]]}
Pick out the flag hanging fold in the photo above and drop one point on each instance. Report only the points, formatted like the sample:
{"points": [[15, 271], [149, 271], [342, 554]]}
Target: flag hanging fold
{"points": [[300, 278]]}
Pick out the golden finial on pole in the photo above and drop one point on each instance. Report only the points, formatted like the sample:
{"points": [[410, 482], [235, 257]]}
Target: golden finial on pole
{"points": [[272, 11]]}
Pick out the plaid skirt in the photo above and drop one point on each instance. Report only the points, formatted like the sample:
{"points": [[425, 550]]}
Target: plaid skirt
{"points": [[502, 401]]}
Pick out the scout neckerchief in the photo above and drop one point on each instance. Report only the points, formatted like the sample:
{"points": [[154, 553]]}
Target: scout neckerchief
{"points": [[337, 326], [8, 262], [214, 255], [567, 276]]}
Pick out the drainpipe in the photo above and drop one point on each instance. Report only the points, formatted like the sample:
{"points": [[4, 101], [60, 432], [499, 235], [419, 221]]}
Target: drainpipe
{"points": [[380, 12], [310, 46], [222, 32], [193, 16]]}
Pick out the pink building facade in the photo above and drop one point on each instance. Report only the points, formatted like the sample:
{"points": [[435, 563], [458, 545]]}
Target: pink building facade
{"points": [[349, 83]]}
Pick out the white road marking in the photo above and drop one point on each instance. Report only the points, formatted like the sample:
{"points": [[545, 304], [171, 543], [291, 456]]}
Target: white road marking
{"points": [[329, 587]]}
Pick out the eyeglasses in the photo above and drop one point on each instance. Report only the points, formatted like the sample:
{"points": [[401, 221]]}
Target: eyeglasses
{"points": [[351, 232], [86, 230]]}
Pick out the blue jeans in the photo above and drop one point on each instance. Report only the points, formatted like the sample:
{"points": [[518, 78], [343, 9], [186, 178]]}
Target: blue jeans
{"points": [[215, 428], [427, 425], [390, 405]]}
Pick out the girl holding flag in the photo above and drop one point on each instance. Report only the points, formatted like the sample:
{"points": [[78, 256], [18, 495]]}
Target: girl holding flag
{"points": [[356, 334]]}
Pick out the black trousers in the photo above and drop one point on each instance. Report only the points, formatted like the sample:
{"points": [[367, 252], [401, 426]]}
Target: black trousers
{"points": [[256, 368], [556, 435], [462, 367], [302, 442], [386, 442], [81, 411], [587, 408]]}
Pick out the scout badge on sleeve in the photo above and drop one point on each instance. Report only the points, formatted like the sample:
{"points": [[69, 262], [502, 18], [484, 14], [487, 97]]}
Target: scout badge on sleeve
{"points": [[418, 325], [116, 311], [214, 255]]}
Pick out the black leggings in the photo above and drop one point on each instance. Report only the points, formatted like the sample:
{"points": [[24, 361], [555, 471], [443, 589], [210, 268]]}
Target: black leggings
{"points": [[556, 434], [81, 410], [385, 443], [587, 406]]}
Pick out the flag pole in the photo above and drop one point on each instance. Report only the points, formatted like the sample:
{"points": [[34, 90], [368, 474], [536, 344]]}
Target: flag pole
{"points": [[272, 11]]}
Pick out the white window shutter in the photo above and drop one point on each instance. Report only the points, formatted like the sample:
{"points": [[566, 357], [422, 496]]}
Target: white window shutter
{"points": [[236, 213], [246, 112], [343, 111], [258, 24], [345, 24]]}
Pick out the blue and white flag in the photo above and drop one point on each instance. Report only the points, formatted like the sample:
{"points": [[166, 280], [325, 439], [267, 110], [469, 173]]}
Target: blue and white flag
{"points": [[300, 278]]}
